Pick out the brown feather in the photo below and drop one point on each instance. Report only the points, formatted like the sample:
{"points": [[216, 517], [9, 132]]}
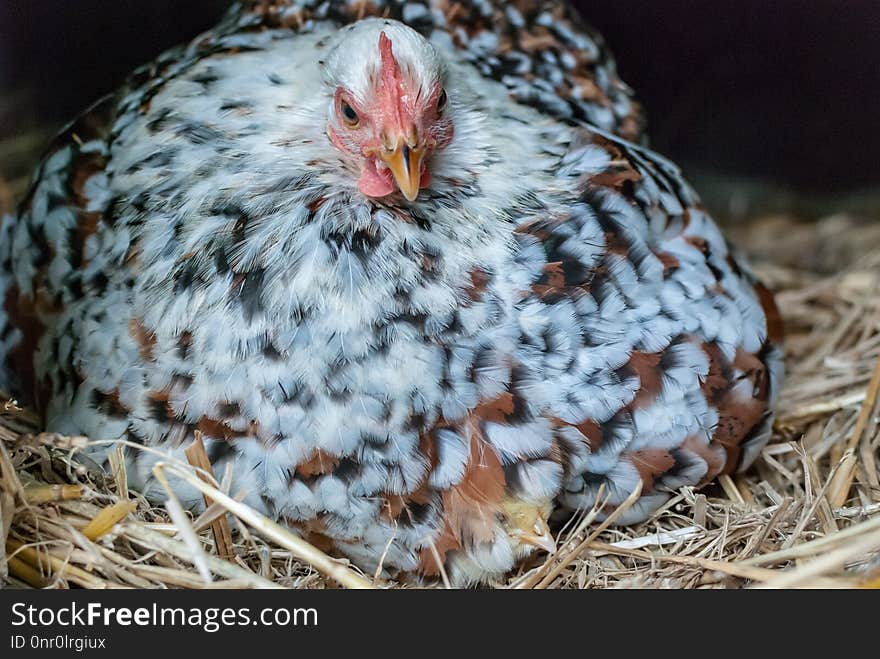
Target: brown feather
{"points": [[591, 431], [717, 381], [775, 327], [737, 414], [479, 282], [145, 338], [669, 261], [470, 507], [646, 365], [713, 454], [651, 463], [321, 462], [24, 313]]}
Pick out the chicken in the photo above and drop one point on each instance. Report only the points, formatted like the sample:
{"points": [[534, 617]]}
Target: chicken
{"points": [[417, 307]]}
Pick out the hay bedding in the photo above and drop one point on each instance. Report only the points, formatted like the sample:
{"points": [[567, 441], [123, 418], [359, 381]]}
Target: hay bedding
{"points": [[807, 515]]}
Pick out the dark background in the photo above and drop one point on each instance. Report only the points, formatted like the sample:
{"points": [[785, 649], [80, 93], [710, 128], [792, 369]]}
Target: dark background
{"points": [[782, 92]]}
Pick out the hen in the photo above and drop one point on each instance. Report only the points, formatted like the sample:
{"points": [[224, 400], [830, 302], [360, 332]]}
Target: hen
{"points": [[415, 285]]}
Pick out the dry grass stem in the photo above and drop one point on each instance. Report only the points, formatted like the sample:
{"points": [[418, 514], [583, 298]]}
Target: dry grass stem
{"points": [[198, 458], [271, 530]]}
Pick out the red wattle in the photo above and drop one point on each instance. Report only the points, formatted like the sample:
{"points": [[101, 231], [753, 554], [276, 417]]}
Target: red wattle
{"points": [[374, 183]]}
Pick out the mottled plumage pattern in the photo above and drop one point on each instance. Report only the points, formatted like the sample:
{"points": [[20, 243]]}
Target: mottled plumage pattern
{"points": [[539, 50], [397, 381]]}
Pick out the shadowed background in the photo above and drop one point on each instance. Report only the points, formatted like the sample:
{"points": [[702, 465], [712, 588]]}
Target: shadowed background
{"points": [[771, 104]]}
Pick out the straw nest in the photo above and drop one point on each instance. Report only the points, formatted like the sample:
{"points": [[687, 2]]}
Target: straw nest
{"points": [[807, 514]]}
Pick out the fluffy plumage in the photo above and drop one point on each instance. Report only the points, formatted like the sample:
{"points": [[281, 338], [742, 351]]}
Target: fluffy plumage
{"points": [[395, 379]]}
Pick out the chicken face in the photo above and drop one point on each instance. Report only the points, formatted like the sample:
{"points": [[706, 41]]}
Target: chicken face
{"points": [[390, 111], [526, 524]]}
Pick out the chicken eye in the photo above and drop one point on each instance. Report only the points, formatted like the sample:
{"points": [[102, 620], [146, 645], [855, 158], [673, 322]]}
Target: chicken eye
{"points": [[348, 114], [441, 101]]}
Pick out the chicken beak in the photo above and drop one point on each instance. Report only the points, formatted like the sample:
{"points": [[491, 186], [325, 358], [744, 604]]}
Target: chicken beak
{"points": [[405, 163], [541, 537]]}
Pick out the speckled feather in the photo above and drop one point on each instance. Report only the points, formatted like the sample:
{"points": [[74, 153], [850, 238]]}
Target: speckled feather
{"points": [[555, 312]]}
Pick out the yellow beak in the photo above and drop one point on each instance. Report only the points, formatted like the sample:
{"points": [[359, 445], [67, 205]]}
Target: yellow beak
{"points": [[405, 163], [541, 537]]}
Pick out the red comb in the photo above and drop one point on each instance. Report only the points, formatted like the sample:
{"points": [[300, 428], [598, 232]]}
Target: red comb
{"points": [[390, 71], [390, 78]]}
